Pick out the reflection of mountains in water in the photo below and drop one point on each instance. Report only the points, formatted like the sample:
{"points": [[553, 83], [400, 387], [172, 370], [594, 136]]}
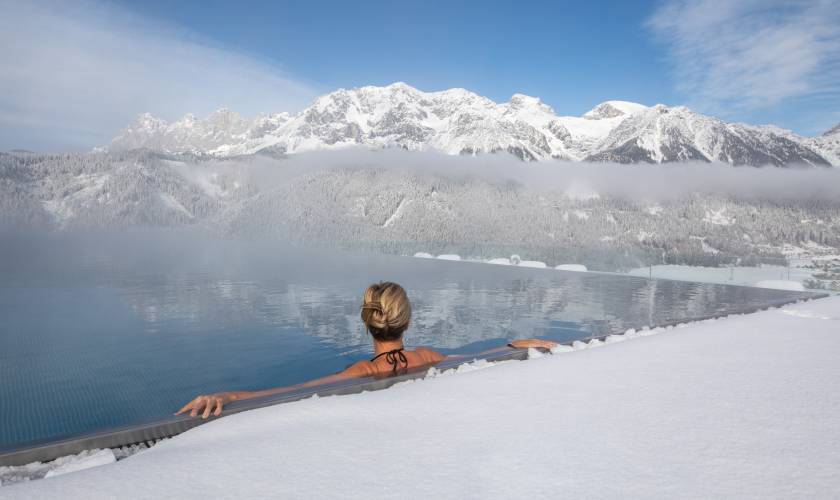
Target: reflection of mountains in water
{"points": [[447, 317], [447, 314]]}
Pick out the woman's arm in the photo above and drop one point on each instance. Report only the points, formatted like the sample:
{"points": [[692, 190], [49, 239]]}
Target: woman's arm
{"points": [[528, 343], [214, 403], [514, 344]]}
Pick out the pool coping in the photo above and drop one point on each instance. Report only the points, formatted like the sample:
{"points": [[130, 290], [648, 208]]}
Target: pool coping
{"points": [[154, 430]]}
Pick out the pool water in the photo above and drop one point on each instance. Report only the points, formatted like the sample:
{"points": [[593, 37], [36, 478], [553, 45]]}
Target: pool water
{"points": [[100, 331]]}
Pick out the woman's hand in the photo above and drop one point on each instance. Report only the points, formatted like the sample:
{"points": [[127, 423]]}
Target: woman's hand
{"points": [[526, 343], [212, 403]]}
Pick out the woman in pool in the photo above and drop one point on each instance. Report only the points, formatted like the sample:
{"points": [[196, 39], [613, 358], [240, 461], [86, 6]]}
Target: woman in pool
{"points": [[386, 313]]}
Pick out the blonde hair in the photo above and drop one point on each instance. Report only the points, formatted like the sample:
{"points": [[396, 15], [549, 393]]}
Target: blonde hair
{"points": [[386, 311]]}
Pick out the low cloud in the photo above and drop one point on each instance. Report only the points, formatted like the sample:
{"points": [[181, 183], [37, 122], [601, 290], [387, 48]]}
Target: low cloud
{"points": [[72, 74], [751, 54], [661, 182]]}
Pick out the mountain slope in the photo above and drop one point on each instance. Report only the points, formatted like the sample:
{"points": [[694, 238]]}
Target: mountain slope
{"points": [[457, 121], [828, 144], [667, 134]]}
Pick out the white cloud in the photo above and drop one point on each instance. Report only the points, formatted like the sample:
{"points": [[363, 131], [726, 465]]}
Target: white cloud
{"points": [[751, 54], [72, 74]]}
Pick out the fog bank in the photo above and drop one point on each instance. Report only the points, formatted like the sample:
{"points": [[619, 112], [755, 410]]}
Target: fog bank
{"points": [[577, 179]]}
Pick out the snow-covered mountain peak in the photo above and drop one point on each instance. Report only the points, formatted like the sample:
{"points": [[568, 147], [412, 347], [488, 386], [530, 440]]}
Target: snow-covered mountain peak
{"points": [[187, 121], [613, 109], [224, 118], [526, 101], [833, 131], [147, 121], [457, 121], [398, 86]]}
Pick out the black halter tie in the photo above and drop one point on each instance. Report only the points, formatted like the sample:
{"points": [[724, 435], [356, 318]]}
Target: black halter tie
{"points": [[394, 358]]}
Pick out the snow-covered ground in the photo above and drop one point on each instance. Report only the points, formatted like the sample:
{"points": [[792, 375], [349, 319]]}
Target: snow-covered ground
{"points": [[741, 407], [735, 275], [781, 285]]}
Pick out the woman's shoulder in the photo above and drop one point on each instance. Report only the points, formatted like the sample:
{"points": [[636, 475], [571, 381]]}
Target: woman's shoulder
{"points": [[429, 355], [363, 368]]}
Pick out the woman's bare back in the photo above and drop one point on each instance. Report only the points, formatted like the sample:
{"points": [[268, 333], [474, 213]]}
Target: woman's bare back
{"points": [[396, 361]]}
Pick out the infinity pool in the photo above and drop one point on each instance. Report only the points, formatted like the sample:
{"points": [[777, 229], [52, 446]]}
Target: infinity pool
{"points": [[104, 331]]}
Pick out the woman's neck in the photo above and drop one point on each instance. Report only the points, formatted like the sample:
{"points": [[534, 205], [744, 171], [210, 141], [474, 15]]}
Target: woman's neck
{"points": [[386, 345]]}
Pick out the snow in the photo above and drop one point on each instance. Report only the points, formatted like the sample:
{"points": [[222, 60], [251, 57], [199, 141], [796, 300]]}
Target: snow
{"points": [[623, 107], [424, 255], [580, 214], [642, 235], [654, 209], [82, 461], [80, 187], [707, 248], [735, 408], [734, 275], [571, 267], [718, 217], [579, 191], [72, 463], [781, 285], [398, 212], [531, 263], [174, 204], [449, 256]]}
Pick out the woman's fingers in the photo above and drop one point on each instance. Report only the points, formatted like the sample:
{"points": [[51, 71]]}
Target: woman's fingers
{"points": [[189, 406], [197, 405], [205, 405], [213, 402], [185, 408]]}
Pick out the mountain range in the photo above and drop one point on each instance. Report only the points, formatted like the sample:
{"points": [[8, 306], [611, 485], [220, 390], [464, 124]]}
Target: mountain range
{"points": [[457, 121]]}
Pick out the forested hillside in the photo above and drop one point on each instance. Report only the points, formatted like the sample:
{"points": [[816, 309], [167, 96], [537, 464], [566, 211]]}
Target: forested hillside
{"points": [[405, 211]]}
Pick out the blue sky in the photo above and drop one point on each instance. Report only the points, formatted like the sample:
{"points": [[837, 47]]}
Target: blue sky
{"points": [[572, 55], [95, 65]]}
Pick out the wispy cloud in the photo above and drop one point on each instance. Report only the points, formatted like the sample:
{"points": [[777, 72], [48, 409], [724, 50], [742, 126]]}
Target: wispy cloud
{"points": [[751, 54], [72, 74]]}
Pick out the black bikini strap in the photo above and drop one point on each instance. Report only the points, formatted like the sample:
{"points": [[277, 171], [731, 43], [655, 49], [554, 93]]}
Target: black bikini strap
{"points": [[394, 358]]}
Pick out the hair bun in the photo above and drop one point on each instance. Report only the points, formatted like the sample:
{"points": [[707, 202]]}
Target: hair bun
{"points": [[376, 306], [386, 310]]}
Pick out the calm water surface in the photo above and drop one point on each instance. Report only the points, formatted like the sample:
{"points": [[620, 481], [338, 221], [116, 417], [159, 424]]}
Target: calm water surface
{"points": [[104, 331]]}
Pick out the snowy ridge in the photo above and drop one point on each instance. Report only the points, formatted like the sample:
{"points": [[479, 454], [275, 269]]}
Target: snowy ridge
{"points": [[457, 121], [835, 130]]}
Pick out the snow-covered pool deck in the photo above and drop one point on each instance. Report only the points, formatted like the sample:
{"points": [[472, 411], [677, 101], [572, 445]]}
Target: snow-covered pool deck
{"points": [[741, 407]]}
